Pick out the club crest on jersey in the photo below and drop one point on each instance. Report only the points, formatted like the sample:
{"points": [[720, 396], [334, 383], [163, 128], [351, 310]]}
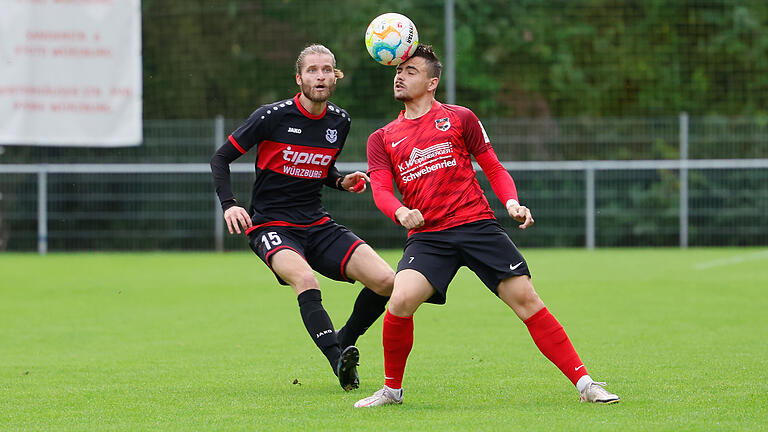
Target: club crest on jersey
{"points": [[331, 135], [443, 124]]}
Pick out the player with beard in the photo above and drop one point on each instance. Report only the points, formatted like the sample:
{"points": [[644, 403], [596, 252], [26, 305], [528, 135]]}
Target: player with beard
{"points": [[428, 152], [297, 142]]}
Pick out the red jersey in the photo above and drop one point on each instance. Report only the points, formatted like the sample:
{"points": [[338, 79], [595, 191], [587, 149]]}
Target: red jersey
{"points": [[430, 159]]}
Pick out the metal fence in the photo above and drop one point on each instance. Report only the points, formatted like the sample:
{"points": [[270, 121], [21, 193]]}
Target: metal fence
{"points": [[160, 196], [169, 206]]}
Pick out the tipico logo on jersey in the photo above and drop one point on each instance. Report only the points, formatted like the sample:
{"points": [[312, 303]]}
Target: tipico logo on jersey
{"points": [[425, 161], [295, 160], [331, 135], [301, 157], [443, 124]]}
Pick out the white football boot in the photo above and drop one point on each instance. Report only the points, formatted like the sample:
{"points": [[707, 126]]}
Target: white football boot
{"points": [[595, 393], [385, 396]]}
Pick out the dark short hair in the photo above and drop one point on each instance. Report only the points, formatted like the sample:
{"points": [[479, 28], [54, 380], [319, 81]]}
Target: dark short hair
{"points": [[434, 67]]}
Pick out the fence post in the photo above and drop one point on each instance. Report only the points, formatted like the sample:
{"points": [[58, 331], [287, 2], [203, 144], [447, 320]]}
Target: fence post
{"points": [[218, 213], [42, 211], [450, 53], [684, 180], [589, 206]]}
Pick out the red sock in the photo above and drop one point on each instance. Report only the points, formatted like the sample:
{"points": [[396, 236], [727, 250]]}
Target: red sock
{"points": [[552, 341], [398, 341]]}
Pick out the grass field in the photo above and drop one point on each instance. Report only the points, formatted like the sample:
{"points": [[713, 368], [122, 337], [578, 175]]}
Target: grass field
{"points": [[211, 342]]}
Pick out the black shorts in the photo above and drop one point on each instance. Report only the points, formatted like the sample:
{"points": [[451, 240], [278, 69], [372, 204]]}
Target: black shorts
{"points": [[325, 245], [483, 246]]}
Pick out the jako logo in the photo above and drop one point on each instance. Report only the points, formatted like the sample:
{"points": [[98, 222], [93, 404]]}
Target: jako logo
{"points": [[294, 130], [304, 157], [325, 332]]}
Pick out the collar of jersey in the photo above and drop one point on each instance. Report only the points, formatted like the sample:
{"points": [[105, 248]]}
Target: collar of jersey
{"points": [[435, 105], [307, 113]]}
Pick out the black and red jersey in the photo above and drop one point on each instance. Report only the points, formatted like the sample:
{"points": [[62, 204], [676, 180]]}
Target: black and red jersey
{"points": [[295, 155], [430, 160]]}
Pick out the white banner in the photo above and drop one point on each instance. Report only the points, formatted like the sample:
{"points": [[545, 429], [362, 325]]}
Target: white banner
{"points": [[70, 72]]}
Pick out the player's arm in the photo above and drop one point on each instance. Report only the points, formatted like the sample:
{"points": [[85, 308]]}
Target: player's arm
{"points": [[504, 187], [237, 144], [334, 177], [355, 182], [380, 169], [234, 215], [352, 182], [479, 145], [385, 199]]}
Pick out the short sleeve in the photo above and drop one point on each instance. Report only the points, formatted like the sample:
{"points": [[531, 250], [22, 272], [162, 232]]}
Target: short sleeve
{"points": [[254, 130], [344, 133], [475, 138]]}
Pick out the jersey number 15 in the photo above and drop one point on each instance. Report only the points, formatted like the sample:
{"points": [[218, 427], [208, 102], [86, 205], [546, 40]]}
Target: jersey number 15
{"points": [[271, 239]]}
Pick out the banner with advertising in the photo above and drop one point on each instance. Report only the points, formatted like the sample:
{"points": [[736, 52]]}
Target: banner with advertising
{"points": [[70, 73]]}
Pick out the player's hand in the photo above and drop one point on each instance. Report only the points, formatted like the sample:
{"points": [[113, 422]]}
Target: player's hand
{"points": [[355, 182], [237, 217], [521, 214], [409, 218]]}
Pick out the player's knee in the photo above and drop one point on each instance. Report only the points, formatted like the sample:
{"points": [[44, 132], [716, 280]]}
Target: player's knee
{"points": [[383, 283], [519, 291], [397, 305], [305, 281], [529, 297], [402, 304]]}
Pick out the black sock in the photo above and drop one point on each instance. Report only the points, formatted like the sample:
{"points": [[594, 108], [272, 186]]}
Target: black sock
{"points": [[368, 308], [319, 325]]}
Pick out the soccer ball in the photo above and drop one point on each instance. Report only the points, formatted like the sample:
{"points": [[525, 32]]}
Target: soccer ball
{"points": [[391, 38]]}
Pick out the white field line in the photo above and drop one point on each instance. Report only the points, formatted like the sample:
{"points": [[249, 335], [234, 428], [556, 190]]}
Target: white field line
{"points": [[755, 256]]}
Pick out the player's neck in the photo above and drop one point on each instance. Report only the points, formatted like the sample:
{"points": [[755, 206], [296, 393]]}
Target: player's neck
{"points": [[314, 108], [418, 107]]}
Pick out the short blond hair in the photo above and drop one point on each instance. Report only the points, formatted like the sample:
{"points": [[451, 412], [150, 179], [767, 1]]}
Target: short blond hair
{"points": [[317, 49]]}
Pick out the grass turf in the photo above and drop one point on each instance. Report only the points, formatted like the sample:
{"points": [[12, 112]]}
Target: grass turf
{"points": [[210, 341]]}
